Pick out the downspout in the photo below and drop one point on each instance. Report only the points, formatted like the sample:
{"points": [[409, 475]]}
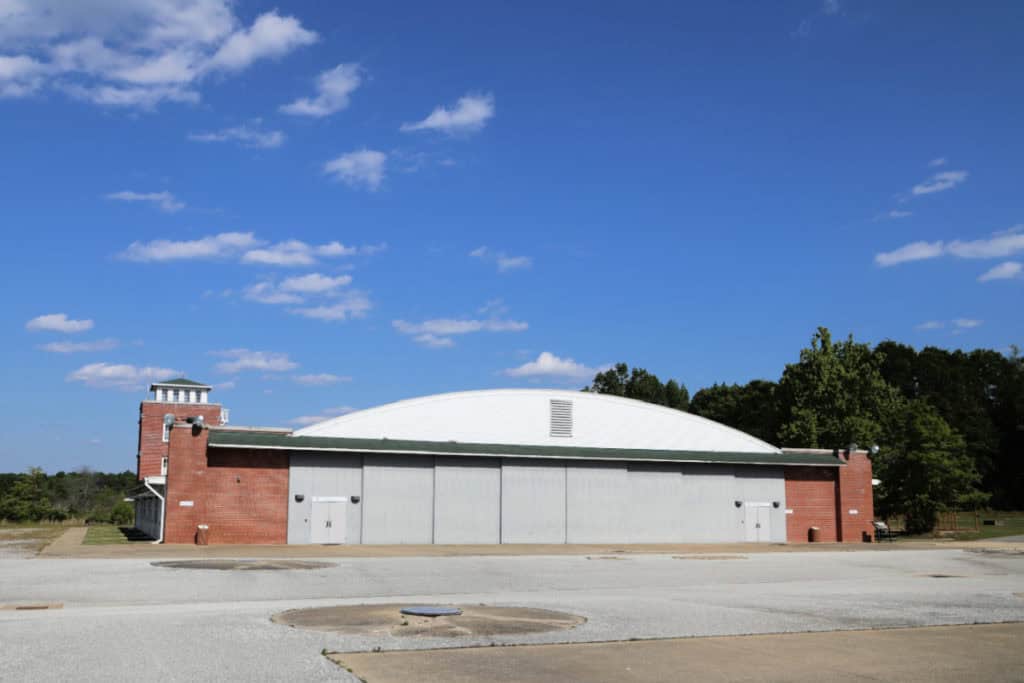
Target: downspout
{"points": [[163, 505]]}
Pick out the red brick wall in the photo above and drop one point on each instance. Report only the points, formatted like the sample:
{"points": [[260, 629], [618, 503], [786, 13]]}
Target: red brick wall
{"points": [[811, 495], [151, 429], [247, 496], [241, 494], [855, 494]]}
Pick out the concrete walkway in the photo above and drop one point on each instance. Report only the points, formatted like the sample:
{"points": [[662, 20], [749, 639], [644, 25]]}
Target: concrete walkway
{"points": [[68, 542], [944, 653]]}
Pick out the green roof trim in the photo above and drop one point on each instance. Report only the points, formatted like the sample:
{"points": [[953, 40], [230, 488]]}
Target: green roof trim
{"points": [[225, 438], [181, 382]]}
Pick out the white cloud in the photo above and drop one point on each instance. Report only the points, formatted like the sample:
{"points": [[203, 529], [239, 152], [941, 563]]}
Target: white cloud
{"points": [[214, 246], [507, 263], [315, 283], [939, 161], [469, 115], [548, 364], [299, 253], [438, 332], [134, 53], [77, 347], [830, 7], [915, 251], [504, 262], [896, 213], [267, 293], [238, 360], [997, 246], [20, 76], [362, 168], [270, 36], [351, 305], [320, 379], [293, 290], [246, 135], [333, 89], [287, 253], [58, 322], [247, 246], [326, 414], [930, 325], [119, 376], [165, 200], [940, 182], [966, 323], [1004, 271]]}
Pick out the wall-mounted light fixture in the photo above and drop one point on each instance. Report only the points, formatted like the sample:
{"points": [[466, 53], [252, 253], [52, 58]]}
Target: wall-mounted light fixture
{"points": [[775, 503], [299, 498], [355, 499], [738, 503]]}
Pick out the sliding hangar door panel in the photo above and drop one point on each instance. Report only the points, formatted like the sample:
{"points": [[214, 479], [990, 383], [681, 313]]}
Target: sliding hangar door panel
{"points": [[398, 499], [655, 503], [597, 503], [323, 475], [532, 501], [467, 500]]}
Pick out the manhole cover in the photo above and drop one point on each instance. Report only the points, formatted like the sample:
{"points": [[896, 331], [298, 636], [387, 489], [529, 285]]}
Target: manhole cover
{"points": [[250, 565], [430, 611], [476, 620]]}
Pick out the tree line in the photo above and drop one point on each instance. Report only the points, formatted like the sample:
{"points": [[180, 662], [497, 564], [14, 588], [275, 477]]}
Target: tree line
{"points": [[949, 424], [35, 496]]}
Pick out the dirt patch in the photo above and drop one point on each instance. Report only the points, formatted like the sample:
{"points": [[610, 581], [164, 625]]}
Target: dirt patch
{"points": [[709, 557], [32, 606], [242, 565], [475, 620]]}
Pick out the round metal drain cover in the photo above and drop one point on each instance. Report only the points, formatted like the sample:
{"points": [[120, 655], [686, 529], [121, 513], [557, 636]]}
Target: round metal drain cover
{"points": [[431, 611], [243, 565]]}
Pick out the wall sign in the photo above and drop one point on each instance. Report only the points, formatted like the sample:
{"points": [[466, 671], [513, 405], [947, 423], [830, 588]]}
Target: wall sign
{"points": [[854, 512], [185, 503]]}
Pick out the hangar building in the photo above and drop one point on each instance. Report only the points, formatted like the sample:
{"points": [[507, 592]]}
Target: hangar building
{"points": [[483, 467]]}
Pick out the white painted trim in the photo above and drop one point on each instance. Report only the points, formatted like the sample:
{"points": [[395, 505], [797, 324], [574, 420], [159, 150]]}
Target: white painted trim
{"points": [[330, 499], [516, 455]]}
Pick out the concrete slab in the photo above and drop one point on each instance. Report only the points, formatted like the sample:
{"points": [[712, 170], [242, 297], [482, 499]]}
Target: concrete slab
{"points": [[958, 653]]}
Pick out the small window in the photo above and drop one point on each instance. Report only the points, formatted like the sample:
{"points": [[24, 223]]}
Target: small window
{"points": [[163, 466], [159, 394], [561, 418], [167, 433]]}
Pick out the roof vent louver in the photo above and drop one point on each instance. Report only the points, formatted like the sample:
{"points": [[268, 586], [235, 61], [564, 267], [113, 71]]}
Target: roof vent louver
{"points": [[561, 418]]}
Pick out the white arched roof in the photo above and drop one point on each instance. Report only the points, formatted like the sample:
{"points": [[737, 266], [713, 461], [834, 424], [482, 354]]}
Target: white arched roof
{"points": [[523, 416]]}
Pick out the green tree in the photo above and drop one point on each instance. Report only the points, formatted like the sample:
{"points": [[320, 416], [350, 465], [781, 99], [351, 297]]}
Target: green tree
{"points": [[26, 499], [752, 408], [641, 385], [834, 396], [924, 469]]}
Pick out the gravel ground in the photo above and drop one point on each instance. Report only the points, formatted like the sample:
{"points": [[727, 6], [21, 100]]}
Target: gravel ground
{"points": [[126, 618]]}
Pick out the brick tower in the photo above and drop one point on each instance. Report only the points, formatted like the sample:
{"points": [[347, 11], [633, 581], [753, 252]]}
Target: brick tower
{"points": [[181, 398]]}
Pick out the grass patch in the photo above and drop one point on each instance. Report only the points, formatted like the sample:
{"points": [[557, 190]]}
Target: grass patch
{"points": [[1008, 523], [108, 534]]}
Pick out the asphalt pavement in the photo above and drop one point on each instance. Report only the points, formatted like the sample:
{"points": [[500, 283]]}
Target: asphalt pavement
{"points": [[127, 618]]}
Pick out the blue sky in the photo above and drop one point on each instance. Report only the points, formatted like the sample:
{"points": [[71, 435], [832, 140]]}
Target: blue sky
{"points": [[317, 207]]}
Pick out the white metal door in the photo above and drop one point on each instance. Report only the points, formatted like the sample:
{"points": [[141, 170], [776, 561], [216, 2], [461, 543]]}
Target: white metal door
{"points": [[320, 523], [327, 521], [757, 523]]}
